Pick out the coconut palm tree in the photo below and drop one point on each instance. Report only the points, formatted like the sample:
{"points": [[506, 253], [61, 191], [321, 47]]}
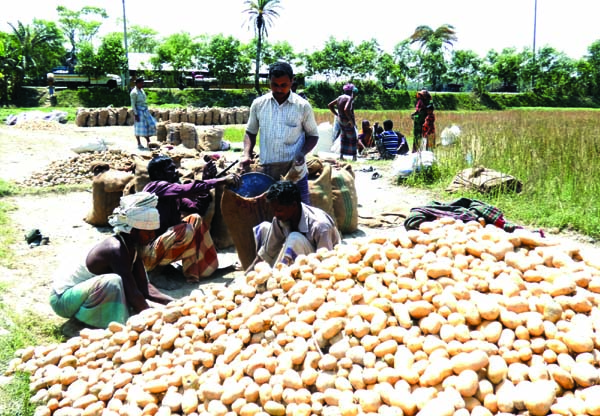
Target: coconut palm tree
{"points": [[260, 16], [433, 41]]}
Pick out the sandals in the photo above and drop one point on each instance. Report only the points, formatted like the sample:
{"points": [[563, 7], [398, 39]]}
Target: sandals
{"points": [[376, 175]]}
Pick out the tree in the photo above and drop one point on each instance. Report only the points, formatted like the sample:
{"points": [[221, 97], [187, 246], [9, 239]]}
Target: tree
{"points": [[260, 16], [506, 67], [33, 42], [142, 39], [465, 67], [111, 54], [225, 59], [76, 28], [335, 59], [178, 50], [432, 47]]}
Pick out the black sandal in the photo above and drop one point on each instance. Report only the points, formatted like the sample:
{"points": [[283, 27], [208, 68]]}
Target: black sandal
{"points": [[376, 175]]}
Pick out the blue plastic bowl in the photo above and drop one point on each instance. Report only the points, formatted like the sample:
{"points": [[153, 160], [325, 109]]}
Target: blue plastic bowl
{"points": [[253, 184]]}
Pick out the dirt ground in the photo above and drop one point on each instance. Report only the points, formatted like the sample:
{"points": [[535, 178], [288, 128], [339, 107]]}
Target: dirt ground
{"points": [[25, 151]]}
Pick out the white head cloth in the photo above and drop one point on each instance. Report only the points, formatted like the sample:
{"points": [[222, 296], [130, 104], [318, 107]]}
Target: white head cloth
{"points": [[135, 211]]}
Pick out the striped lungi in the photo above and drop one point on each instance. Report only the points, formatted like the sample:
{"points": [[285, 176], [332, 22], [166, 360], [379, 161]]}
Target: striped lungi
{"points": [[146, 127], [96, 302], [189, 242], [348, 140]]}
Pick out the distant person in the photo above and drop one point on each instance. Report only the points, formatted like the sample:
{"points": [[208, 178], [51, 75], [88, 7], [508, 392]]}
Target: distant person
{"points": [[288, 130], [365, 139], [296, 228], [387, 140], [182, 237], [145, 124], [343, 108], [295, 89], [429, 127], [418, 117], [111, 284]]}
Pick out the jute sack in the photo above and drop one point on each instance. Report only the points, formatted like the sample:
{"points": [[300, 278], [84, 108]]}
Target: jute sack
{"points": [[92, 120], [174, 133], [188, 135], [103, 117], [183, 116], [484, 180], [345, 199], [320, 191], [216, 115], [199, 117], [223, 114], [122, 116], [246, 115], [208, 116], [164, 115], [210, 139], [241, 215], [112, 117], [141, 172], [219, 231], [107, 189], [191, 116], [175, 116], [239, 116], [82, 117], [130, 117], [162, 131]]}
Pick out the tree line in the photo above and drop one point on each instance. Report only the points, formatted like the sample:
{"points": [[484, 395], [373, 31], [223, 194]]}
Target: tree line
{"points": [[426, 59]]}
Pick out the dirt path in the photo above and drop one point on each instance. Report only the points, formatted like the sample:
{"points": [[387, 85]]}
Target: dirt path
{"points": [[25, 151]]}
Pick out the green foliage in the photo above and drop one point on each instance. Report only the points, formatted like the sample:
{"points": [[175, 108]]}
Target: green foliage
{"points": [[142, 39], [93, 97], [111, 54], [225, 59], [197, 97]]}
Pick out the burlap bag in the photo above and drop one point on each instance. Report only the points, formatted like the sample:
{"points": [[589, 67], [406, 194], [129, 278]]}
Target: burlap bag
{"points": [[175, 116], [122, 116], [82, 117], [320, 191], [103, 117], [216, 115], [141, 172], [314, 166], [112, 117], [188, 135], [174, 133], [219, 231], [107, 189], [246, 115], [162, 131], [183, 116], [191, 116], [199, 117], [208, 116], [239, 116], [484, 180], [164, 115], [277, 170], [130, 118], [210, 139], [241, 215], [92, 120], [345, 199]]}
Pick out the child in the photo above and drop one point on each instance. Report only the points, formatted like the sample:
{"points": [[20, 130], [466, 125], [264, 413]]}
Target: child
{"points": [[429, 127]]}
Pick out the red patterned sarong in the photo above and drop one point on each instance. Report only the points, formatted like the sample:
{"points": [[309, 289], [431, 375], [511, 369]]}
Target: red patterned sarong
{"points": [[189, 242]]}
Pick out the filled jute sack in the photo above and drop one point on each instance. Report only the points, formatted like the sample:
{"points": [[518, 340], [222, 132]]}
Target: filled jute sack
{"points": [[130, 118], [241, 215], [164, 115], [219, 231], [188, 135], [320, 191], [92, 120], [208, 116], [141, 172], [345, 199], [175, 116], [112, 117], [210, 139], [107, 189], [191, 116], [82, 117], [199, 117], [174, 133], [122, 116], [162, 131], [103, 117]]}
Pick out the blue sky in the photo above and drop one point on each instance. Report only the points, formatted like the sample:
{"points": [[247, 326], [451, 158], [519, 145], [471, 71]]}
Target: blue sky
{"points": [[481, 25]]}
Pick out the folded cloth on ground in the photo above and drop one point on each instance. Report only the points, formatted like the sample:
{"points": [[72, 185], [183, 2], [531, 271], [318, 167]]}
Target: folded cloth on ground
{"points": [[464, 209]]}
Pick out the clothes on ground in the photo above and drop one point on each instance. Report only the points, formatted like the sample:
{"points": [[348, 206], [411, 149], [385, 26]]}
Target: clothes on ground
{"points": [[277, 243], [146, 125], [463, 209], [95, 300], [190, 242]]}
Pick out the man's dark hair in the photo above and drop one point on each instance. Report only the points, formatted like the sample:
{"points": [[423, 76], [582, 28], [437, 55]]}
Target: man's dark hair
{"points": [[140, 79], [157, 166], [284, 192], [388, 125], [280, 69]]}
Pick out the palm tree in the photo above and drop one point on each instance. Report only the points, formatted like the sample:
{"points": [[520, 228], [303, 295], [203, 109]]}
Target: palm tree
{"points": [[260, 16], [434, 41]]}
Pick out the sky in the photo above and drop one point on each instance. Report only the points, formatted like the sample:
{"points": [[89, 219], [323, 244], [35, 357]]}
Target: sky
{"points": [[569, 26]]}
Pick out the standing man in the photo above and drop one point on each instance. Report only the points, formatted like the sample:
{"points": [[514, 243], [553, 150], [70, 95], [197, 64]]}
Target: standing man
{"points": [[145, 124], [343, 108], [288, 130], [180, 237]]}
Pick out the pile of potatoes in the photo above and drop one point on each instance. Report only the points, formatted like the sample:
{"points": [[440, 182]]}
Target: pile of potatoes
{"points": [[452, 319]]}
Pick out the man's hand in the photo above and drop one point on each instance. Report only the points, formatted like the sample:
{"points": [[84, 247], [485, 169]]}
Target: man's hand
{"points": [[299, 159], [209, 171], [233, 180]]}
